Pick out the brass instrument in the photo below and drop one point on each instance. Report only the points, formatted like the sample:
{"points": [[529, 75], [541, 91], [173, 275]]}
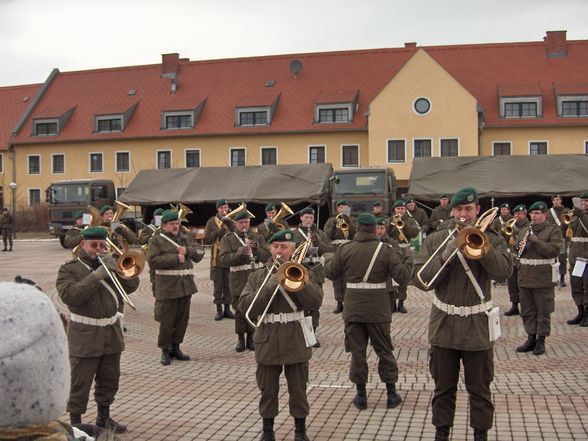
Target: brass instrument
{"points": [[567, 220], [249, 243], [96, 221], [121, 208], [284, 209], [342, 225], [471, 241], [524, 240], [183, 212], [129, 266], [508, 230], [397, 222], [231, 214]]}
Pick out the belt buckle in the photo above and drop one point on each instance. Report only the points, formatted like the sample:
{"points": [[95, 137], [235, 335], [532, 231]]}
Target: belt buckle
{"points": [[461, 311], [282, 317]]}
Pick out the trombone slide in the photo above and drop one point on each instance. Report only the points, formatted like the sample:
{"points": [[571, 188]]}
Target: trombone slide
{"points": [[117, 284]]}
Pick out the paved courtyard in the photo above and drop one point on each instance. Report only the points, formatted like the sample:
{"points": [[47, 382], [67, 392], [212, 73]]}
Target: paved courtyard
{"points": [[214, 396]]}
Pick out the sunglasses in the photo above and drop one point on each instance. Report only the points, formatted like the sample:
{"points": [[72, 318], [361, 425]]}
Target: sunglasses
{"points": [[97, 245]]}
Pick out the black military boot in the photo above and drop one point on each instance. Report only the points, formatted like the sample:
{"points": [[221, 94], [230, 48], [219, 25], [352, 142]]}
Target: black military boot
{"points": [[539, 347], [300, 429], [219, 312], [10, 249], [228, 314], [177, 353], [401, 307], [514, 309], [578, 318], [562, 281], [360, 399], [318, 343], [104, 421], [4, 249], [165, 358], [480, 435], [442, 433], [529, 345], [240, 343], [339, 308], [393, 398], [75, 418], [394, 307], [268, 430], [584, 321], [250, 345]]}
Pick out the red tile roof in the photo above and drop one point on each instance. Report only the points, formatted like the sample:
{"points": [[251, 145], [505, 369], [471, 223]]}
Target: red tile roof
{"points": [[13, 103]]}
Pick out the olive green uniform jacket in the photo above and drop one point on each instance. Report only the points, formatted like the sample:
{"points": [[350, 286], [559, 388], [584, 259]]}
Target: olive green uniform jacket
{"points": [[407, 256], [73, 237], [334, 233], [420, 216], [146, 235], [312, 258], [438, 216], [268, 229], [578, 249], [499, 221], [454, 287], [279, 343], [410, 230], [351, 261], [164, 256], [80, 289], [548, 247]]}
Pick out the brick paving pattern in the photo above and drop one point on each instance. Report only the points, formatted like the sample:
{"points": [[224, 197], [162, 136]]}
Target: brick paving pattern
{"points": [[214, 396]]}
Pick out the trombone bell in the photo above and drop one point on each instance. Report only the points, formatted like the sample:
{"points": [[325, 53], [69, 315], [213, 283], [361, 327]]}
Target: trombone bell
{"points": [[292, 276], [130, 264]]}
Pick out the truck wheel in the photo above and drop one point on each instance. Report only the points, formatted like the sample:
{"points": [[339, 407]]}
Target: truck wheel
{"points": [[62, 241]]}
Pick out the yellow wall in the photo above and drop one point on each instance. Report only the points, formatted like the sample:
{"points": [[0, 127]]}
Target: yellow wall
{"points": [[453, 113]]}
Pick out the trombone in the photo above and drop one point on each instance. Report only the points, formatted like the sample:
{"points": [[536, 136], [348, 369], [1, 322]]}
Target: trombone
{"points": [[123, 262], [471, 241]]}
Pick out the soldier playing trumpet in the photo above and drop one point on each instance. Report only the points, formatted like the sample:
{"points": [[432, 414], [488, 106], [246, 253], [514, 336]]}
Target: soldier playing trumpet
{"points": [[520, 221], [73, 237], [119, 233]]}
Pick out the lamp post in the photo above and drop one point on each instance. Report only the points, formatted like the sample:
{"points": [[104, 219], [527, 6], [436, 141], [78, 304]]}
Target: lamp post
{"points": [[12, 187]]}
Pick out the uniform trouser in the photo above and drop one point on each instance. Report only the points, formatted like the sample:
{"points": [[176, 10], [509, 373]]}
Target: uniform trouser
{"points": [[513, 285], [339, 289], [356, 341], [173, 316], [242, 326], [105, 369], [268, 381], [478, 367], [537, 304], [7, 237], [222, 292], [316, 315], [580, 287], [563, 262]]}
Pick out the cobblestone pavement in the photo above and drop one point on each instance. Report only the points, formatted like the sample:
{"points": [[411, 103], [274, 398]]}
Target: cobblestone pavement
{"points": [[214, 396]]}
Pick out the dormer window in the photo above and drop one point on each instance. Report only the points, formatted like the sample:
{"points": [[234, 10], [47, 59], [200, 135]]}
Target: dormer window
{"points": [[253, 111], [576, 108], [50, 121], [520, 110], [45, 127], [334, 114], [253, 117], [114, 117], [178, 120], [335, 107], [110, 123], [181, 114]]}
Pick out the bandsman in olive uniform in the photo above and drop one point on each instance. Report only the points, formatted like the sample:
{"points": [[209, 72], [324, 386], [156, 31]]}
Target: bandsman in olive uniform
{"points": [[95, 331], [269, 227], [279, 342], [215, 229], [242, 251], [520, 214], [418, 214], [171, 254], [338, 236], [73, 237], [366, 265], [377, 209], [403, 236], [503, 218], [7, 227], [441, 213], [458, 325], [320, 244], [149, 230], [121, 235], [579, 258], [555, 216], [538, 247]]}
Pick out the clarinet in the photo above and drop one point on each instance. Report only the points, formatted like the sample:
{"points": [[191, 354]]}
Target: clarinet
{"points": [[523, 243], [250, 254]]}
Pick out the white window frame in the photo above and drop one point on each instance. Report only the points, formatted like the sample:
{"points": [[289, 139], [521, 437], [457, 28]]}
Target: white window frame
{"points": [[1, 163], [309, 146], [116, 170], [29, 165], [388, 160], [319, 107], [502, 142], [562, 98], [90, 161], [197, 149], [171, 158], [537, 141], [178, 113], [64, 165], [231, 155], [523, 99], [241, 110], [458, 146], [275, 147], [29, 196], [358, 155], [45, 121], [105, 117], [423, 139]]}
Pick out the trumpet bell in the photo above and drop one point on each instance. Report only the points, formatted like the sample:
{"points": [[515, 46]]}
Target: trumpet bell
{"points": [[473, 243], [292, 276], [130, 264]]}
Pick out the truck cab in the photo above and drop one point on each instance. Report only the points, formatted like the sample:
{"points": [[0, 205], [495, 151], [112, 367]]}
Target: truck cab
{"points": [[362, 187]]}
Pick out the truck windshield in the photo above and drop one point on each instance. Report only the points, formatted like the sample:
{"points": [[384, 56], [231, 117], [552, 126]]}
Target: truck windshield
{"points": [[360, 183], [69, 193]]}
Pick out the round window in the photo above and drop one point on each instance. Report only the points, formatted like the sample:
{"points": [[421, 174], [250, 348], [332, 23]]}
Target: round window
{"points": [[422, 106]]}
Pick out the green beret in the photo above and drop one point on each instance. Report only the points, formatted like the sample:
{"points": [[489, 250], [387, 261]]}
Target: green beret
{"points": [[377, 204], [382, 221], [105, 208], [282, 236], [158, 212], [221, 202], [444, 196], [399, 203], [520, 207], [366, 219], [555, 196], [94, 233], [505, 205], [342, 202], [466, 195], [584, 195], [409, 200], [270, 207], [243, 214], [168, 216], [79, 214], [540, 206], [307, 210]]}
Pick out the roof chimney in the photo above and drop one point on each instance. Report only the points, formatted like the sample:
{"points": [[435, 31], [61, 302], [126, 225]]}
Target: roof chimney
{"points": [[169, 64], [410, 44], [556, 44]]}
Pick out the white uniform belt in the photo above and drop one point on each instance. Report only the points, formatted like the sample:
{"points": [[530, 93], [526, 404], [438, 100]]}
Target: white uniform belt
{"points": [[247, 267], [314, 259], [339, 241], [403, 245], [463, 311], [366, 285], [579, 239], [535, 262], [184, 272], [101, 322], [283, 317]]}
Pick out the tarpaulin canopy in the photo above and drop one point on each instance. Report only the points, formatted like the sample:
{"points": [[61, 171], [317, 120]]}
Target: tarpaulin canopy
{"points": [[293, 184], [500, 176]]}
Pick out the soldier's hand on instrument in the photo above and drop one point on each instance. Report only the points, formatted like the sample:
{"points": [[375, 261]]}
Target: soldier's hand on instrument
{"points": [[110, 263], [532, 238], [181, 258], [101, 272], [220, 233], [449, 249], [182, 251]]}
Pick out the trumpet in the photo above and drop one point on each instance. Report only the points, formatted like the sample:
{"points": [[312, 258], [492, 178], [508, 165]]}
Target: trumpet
{"points": [[567, 220], [508, 230], [397, 222], [342, 225]]}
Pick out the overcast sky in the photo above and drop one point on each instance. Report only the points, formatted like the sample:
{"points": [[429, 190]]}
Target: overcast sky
{"points": [[38, 35]]}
